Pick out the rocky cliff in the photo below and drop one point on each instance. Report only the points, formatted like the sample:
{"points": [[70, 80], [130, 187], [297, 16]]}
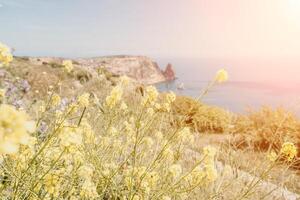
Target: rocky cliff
{"points": [[140, 68]]}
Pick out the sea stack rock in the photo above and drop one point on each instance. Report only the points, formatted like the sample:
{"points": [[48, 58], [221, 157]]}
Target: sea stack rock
{"points": [[169, 72]]}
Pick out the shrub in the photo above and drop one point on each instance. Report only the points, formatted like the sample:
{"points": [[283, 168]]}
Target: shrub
{"points": [[267, 128], [201, 117], [56, 65]]}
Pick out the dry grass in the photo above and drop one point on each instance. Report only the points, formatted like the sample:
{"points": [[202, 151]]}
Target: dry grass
{"points": [[267, 128]]}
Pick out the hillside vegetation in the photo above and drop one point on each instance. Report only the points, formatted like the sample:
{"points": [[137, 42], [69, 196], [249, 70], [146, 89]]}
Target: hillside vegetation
{"points": [[68, 132]]}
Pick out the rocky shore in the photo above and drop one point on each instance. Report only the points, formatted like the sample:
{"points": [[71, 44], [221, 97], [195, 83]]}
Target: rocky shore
{"points": [[140, 68]]}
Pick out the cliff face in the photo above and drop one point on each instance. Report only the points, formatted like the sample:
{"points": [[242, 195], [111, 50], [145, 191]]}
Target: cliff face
{"points": [[139, 68]]}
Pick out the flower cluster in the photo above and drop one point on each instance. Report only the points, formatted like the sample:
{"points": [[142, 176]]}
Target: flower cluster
{"points": [[68, 65], [221, 76], [15, 127], [206, 173], [209, 158], [84, 100], [288, 150], [88, 187], [124, 80], [170, 98], [5, 55], [55, 100], [272, 156], [2, 94], [94, 154], [150, 96], [114, 97], [52, 183]]}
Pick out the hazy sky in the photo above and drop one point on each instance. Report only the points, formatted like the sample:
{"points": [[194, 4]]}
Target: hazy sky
{"points": [[234, 29]]}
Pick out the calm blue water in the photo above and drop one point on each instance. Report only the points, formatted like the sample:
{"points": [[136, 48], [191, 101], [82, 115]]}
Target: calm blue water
{"points": [[239, 96], [236, 96]]}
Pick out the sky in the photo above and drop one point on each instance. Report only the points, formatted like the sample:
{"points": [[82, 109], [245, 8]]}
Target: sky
{"points": [[263, 32]]}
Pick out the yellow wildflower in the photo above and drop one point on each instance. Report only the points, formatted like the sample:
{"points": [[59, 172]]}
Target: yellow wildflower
{"points": [[86, 171], [209, 151], [151, 95], [68, 65], [55, 100], [2, 93], [185, 135], [166, 198], [221, 76], [171, 97], [123, 106], [88, 190], [5, 55], [14, 129], [72, 108], [211, 173], [114, 97], [70, 136], [196, 176], [158, 135], [175, 170], [112, 131], [52, 185], [166, 107], [209, 158], [272, 156], [83, 100], [288, 150], [168, 154], [150, 111], [152, 178], [74, 198], [147, 141], [124, 80], [157, 106], [42, 107], [152, 92]]}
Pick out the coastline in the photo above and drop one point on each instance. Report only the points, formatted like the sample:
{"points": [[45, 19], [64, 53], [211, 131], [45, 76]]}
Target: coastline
{"points": [[142, 69]]}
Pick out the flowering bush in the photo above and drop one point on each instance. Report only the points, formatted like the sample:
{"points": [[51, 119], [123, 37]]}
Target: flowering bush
{"points": [[126, 154]]}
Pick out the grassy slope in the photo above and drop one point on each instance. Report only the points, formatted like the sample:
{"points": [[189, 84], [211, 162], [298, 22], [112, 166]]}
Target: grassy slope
{"points": [[40, 77]]}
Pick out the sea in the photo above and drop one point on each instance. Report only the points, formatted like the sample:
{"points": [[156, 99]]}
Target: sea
{"points": [[238, 95]]}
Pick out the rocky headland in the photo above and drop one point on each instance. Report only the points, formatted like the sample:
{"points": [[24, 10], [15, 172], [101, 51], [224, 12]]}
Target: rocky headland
{"points": [[140, 68]]}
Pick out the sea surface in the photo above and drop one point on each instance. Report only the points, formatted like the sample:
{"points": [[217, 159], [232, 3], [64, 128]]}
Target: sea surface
{"points": [[236, 96]]}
